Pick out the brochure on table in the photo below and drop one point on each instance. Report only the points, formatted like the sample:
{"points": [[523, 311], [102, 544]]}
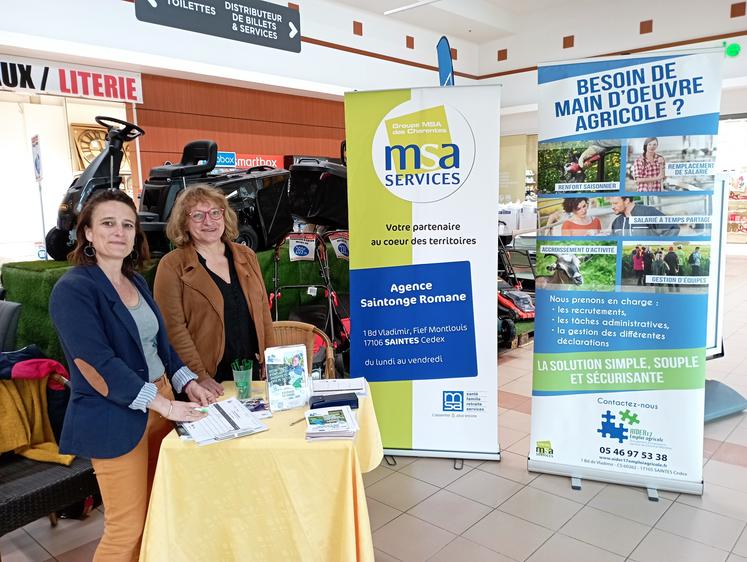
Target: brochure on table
{"points": [[627, 257], [337, 422], [226, 419], [287, 378], [423, 224]]}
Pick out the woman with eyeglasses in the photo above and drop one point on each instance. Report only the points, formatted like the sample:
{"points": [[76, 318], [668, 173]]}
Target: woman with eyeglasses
{"points": [[121, 365], [211, 290]]}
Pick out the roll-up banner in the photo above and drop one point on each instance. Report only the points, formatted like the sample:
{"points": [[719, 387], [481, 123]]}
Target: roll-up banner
{"points": [[423, 196], [626, 258]]}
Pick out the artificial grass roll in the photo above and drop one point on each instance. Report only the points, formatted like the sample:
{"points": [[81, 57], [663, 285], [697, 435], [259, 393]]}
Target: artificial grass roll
{"points": [[30, 283]]}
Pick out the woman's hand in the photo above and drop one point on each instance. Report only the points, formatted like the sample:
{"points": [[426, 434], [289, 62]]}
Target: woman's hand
{"points": [[185, 412], [209, 384], [199, 394], [176, 411]]}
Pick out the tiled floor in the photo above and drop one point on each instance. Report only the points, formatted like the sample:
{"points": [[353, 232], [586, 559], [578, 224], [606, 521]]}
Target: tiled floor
{"points": [[423, 509]]}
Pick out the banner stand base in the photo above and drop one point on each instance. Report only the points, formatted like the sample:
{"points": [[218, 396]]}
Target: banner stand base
{"points": [[444, 454], [695, 488]]}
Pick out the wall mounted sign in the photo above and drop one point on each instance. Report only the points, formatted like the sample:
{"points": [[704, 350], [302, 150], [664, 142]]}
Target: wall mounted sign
{"points": [[34, 76], [241, 160]]}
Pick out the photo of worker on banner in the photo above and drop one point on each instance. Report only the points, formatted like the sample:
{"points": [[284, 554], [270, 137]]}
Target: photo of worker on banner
{"points": [[586, 266], [681, 163], [652, 216], [571, 216], [666, 267], [589, 166], [627, 215]]}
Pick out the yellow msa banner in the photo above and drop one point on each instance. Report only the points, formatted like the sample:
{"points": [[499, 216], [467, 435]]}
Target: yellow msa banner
{"points": [[423, 171]]}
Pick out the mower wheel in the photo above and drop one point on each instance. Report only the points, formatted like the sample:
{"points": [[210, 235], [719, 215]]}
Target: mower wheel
{"points": [[508, 330], [248, 237], [58, 244]]}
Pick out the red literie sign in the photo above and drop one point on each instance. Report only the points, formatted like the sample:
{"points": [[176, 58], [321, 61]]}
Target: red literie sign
{"points": [[99, 85], [25, 75]]}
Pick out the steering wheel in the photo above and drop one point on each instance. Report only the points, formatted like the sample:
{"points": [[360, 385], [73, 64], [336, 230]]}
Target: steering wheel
{"points": [[128, 132]]}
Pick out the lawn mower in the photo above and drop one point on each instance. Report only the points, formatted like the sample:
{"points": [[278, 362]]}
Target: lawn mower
{"points": [[513, 303], [258, 195], [102, 173]]}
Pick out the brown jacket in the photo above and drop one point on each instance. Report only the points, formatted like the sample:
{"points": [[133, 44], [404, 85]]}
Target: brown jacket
{"points": [[192, 306]]}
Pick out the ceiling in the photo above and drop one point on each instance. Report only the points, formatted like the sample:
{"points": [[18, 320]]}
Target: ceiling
{"points": [[478, 21]]}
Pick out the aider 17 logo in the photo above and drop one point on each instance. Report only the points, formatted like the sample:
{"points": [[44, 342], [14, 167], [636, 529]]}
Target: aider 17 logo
{"points": [[423, 154]]}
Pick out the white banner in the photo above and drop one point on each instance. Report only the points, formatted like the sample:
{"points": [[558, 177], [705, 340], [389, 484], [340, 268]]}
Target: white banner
{"points": [[622, 312], [34, 76], [423, 227]]}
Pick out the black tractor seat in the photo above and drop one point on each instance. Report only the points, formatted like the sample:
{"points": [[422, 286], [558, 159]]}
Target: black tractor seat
{"points": [[199, 158]]}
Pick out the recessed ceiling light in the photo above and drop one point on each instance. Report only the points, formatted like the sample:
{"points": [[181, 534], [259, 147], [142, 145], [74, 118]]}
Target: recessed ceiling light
{"points": [[409, 6]]}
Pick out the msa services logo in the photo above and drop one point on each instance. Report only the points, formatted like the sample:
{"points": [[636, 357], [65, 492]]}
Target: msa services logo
{"points": [[423, 154]]}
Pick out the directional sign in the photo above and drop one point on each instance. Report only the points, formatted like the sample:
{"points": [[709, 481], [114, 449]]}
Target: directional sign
{"points": [[251, 21]]}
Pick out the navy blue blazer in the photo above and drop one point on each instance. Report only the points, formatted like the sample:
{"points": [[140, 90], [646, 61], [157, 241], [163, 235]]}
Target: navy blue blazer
{"points": [[106, 362]]}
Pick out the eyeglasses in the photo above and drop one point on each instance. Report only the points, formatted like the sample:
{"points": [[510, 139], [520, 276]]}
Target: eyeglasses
{"points": [[216, 213]]}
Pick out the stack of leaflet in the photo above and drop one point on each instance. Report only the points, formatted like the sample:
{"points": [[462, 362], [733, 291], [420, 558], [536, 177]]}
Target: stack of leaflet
{"points": [[338, 386], [337, 422]]}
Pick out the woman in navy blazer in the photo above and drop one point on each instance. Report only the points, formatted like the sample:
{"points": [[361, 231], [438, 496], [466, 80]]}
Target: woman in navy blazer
{"points": [[122, 368]]}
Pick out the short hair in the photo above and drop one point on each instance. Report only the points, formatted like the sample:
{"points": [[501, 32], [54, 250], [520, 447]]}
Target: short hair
{"points": [[85, 219], [176, 229], [572, 203]]}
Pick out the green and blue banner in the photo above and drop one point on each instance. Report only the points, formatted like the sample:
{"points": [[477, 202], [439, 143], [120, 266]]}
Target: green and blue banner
{"points": [[423, 177], [626, 265]]}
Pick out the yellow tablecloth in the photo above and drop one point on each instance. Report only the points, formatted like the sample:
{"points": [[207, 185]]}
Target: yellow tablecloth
{"points": [[269, 496]]}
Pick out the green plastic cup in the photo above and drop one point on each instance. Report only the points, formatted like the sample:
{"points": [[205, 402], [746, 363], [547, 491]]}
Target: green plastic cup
{"points": [[242, 378]]}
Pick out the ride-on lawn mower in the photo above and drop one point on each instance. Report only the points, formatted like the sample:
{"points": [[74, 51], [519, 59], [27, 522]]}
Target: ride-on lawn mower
{"points": [[102, 173], [513, 303], [259, 196]]}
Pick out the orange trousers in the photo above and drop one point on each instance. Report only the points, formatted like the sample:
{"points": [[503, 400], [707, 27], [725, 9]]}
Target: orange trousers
{"points": [[125, 483]]}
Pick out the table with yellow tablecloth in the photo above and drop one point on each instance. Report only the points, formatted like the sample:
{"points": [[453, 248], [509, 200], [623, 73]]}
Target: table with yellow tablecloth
{"points": [[268, 496]]}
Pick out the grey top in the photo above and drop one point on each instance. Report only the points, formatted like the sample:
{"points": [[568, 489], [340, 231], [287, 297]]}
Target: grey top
{"points": [[147, 327]]}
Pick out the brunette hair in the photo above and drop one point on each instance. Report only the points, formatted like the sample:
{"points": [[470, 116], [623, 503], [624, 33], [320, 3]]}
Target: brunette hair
{"points": [[648, 140], [572, 203], [85, 219], [176, 229]]}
